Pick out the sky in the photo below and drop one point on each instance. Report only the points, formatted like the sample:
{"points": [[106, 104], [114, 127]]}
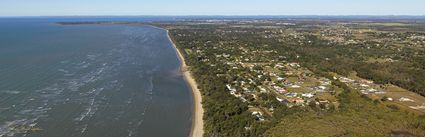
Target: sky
{"points": [[210, 7]]}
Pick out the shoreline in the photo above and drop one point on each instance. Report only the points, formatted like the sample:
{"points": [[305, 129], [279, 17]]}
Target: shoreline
{"points": [[197, 129]]}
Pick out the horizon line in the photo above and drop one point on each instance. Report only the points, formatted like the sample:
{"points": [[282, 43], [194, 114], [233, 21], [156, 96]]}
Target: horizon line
{"points": [[218, 15]]}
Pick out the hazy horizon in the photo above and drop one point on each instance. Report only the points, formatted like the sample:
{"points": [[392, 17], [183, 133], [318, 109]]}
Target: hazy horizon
{"points": [[13, 8], [247, 15]]}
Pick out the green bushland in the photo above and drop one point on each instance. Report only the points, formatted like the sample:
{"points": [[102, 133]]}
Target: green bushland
{"points": [[227, 116]]}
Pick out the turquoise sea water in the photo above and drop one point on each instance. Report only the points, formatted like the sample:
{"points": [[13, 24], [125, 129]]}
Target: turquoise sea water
{"points": [[90, 81]]}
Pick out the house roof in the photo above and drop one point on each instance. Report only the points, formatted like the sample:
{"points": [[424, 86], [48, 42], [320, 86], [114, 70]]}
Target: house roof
{"points": [[296, 99]]}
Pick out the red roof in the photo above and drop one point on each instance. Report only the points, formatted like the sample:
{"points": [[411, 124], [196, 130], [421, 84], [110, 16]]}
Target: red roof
{"points": [[295, 99]]}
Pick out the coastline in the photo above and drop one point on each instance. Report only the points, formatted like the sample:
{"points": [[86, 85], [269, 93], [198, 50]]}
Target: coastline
{"points": [[198, 112]]}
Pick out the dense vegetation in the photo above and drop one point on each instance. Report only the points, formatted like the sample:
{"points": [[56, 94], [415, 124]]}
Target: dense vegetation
{"points": [[357, 116], [408, 71]]}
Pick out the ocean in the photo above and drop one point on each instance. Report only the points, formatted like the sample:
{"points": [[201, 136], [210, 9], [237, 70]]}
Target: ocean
{"points": [[90, 81]]}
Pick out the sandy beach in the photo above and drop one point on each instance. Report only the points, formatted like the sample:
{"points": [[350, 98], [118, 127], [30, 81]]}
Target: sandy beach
{"points": [[197, 122]]}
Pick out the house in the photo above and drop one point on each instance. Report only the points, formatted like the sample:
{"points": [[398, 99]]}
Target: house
{"points": [[325, 83], [289, 73], [295, 86], [380, 92], [367, 81], [279, 99], [364, 85], [259, 115], [280, 78], [296, 100], [346, 80], [371, 90], [279, 89], [271, 109], [417, 107], [230, 88], [256, 113], [323, 101], [278, 66], [287, 83], [321, 87], [243, 99], [404, 99], [291, 94], [307, 95], [262, 90], [295, 65]]}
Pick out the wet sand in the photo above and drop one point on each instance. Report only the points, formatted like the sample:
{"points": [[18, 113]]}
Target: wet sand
{"points": [[197, 122]]}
